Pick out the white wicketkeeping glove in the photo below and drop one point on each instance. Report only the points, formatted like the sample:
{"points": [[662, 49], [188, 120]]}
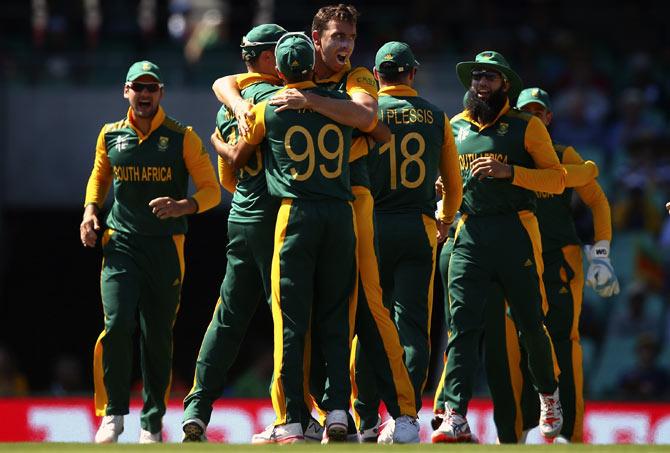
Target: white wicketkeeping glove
{"points": [[600, 275]]}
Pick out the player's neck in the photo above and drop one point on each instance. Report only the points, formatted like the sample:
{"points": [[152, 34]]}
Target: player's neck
{"points": [[321, 70]]}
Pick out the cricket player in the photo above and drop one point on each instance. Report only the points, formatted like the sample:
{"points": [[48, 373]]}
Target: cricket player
{"points": [[314, 262], [504, 157], [148, 157], [251, 224], [515, 412], [403, 172]]}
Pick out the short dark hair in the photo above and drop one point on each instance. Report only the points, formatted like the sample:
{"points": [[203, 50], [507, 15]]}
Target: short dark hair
{"points": [[341, 12], [295, 77], [393, 76]]}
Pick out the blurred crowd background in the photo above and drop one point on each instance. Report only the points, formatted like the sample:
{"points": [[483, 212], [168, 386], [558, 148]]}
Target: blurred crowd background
{"points": [[62, 67]]}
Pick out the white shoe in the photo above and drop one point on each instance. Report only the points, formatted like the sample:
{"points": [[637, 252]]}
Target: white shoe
{"points": [[406, 430], [147, 437], [337, 426], [386, 433], [551, 414], [454, 428], [111, 427], [314, 431], [561, 440], [287, 433], [194, 430], [372, 434]]}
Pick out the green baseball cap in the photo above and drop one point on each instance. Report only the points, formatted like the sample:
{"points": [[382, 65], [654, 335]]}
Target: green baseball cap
{"points": [[295, 53], [489, 59], [260, 38], [394, 57], [140, 68], [534, 95]]}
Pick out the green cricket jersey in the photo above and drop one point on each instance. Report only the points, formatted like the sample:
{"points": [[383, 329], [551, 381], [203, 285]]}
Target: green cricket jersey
{"points": [[146, 167], [555, 216], [306, 154], [350, 81], [403, 171], [251, 201]]}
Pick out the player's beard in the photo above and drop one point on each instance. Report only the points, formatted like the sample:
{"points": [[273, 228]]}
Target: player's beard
{"points": [[485, 110]]}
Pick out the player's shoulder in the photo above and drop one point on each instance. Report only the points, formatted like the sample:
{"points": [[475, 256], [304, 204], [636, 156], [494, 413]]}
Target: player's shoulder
{"points": [[321, 91], [176, 126], [458, 117], [519, 115], [115, 125]]}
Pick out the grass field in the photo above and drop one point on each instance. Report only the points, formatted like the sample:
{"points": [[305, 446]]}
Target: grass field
{"points": [[342, 448]]}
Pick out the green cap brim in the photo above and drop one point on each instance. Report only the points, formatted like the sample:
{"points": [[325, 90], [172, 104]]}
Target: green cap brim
{"points": [[464, 71]]}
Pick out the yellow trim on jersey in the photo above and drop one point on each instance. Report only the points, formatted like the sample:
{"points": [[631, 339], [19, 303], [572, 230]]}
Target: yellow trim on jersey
{"points": [[431, 235], [277, 390], [515, 376], [249, 78], [100, 180], [334, 77], [465, 114], [359, 148], [353, 297], [573, 256], [361, 80], [199, 166], [548, 175], [156, 122], [452, 182], [256, 132], [398, 90], [363, 206]]}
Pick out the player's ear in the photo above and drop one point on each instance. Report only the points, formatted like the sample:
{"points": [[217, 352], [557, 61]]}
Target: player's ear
{"points": [[316, 37], [550, 116], [126, 88], [375, 73]]}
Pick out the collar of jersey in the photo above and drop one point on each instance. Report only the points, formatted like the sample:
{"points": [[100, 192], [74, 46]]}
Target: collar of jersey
{"points": [[337, 76], [156, 121], [249, 78], [301, 85], [505, 109], [397, 90]]}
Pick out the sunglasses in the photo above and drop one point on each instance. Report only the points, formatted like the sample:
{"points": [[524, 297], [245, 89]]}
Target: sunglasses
{"points": [[139, 87], [488, 75]]}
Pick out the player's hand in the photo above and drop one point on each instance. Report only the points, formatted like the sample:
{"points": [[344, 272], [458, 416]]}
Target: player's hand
{"points": [[166, 207], [88, 229], [442, 231], [600, 274], [486, 167], [290, 99], [439, 186], [242, 112]]}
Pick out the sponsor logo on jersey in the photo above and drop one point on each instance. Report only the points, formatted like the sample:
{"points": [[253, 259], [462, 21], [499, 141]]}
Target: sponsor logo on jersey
{"points": [[121, 143]]}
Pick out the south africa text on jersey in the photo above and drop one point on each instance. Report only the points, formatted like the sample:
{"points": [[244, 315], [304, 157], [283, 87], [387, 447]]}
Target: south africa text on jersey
{"points": [[465, 160], [136, 173]]}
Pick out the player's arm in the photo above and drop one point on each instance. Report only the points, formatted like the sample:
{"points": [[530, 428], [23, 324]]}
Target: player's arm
{"points": [[200, 168], [227, 91], [579, 172], [548, 174], [227, 176], [96, 191], [451, 181], [238, 155]]}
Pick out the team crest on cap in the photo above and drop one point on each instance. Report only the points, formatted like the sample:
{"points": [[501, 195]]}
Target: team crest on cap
{"points": [[503, 128], [163, 143], [295, 64], [146, 67], [388, 56], [487, 55], [535, 93]]}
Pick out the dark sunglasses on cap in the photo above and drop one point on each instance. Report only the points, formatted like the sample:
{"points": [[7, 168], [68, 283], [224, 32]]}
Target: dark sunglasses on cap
{"points": [[488, 75], [138, 87]]}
